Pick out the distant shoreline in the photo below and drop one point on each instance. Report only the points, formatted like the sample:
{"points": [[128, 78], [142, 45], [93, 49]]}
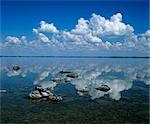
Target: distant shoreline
{"points": [[77, 56]]}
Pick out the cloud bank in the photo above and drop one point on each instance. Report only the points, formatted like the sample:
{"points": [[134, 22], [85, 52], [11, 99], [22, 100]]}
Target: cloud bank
{"points": [[95, 33]]}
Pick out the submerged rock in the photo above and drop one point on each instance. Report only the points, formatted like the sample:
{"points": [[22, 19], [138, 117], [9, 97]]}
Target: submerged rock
{"points": [[57, 80], [41, 89], [16, 67], [82, 91], [103, 88], [55, 98], [3, 91], [67, 79]]}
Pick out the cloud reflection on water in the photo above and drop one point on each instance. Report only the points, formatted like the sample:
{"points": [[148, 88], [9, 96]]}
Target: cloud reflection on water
{"points": [[118, 77]]}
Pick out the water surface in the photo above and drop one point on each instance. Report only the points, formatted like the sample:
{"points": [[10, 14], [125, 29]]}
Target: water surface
{"points": [[126, 102]]}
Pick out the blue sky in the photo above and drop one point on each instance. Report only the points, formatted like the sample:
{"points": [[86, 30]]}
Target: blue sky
{"points": [[20, 17]]}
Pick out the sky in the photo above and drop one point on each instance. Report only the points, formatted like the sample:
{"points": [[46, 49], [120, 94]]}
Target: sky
{"points": [[105, 28]]}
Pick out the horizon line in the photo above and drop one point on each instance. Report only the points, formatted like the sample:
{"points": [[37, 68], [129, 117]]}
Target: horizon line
{"points": [[82, 56]]}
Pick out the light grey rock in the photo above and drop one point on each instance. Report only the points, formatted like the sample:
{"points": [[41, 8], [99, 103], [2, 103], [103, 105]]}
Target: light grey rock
{"points": [[57, 80], [83, 89], [35, 94], [67, 79], [3, 91], [44, 94]]}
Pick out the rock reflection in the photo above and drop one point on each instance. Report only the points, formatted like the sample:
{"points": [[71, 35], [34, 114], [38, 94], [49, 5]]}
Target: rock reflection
{"points": [[117, 77]]}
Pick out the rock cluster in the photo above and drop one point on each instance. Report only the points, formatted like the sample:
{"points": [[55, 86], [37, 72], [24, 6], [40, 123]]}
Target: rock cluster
{"points": [[68, 76], [40, 93]]}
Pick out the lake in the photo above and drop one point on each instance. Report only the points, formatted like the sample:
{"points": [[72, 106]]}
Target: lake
{"points": [[127, 101]]}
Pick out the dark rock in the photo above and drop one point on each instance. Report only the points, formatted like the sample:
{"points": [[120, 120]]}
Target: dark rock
{"points": [[55, 98], [16, 68], [103, 88], [72, 75], [64, 72]]}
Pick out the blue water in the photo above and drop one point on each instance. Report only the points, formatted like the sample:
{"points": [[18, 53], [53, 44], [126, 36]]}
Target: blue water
{"points": [[126, 102]]}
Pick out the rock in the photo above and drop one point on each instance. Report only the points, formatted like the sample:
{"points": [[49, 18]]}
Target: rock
{"points": [[72, 75], [40, 89], [67, 79], [35, 94], [45, 94], [55, 98], [3, 91], [16, 67], [104, 88], [83, 89], [57, 80], [64, 72]]}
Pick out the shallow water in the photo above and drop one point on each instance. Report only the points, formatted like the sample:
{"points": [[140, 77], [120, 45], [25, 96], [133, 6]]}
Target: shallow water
{"points": [[127, 101]]}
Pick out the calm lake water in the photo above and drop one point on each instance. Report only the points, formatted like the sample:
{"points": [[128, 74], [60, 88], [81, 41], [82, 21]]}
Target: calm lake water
{"points": [[127, 101]]}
